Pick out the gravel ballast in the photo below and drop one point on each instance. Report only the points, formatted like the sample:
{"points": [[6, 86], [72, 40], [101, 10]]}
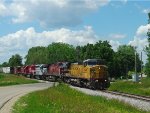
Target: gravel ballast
{"points": [[143, 105]]}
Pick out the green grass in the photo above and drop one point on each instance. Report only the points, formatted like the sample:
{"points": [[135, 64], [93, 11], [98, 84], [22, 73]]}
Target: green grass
{"points": [[62, 99], [10, 79], [141, 88]]}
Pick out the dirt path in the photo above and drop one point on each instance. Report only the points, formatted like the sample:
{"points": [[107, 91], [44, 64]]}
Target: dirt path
{"points": [[10, 94]]}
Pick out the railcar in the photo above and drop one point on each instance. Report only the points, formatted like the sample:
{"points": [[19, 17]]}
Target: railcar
{"points": [[29, 71], [55, 71], [11, 70], [6, 69], [23, 70], [17, 70], [40, 71], [91, 73]]}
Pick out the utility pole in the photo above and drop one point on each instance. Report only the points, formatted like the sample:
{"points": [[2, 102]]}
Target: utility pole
{"points": [[148, 33], [135, 76], [149, 18], [78, 53], [141, 64], [135, 63]]}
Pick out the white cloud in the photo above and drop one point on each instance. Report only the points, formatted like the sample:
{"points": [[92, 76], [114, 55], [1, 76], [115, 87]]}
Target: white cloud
{"points": [[114, 44], [142, 30], [22, 40], [2, 8], [140, 39], [146, 11], [124, 1], [139, 43], [117, 36], [50, 12]]}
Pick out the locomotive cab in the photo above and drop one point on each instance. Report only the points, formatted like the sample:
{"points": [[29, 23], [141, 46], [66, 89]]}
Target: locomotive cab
{"points": [[91, 73], [98, 73]]}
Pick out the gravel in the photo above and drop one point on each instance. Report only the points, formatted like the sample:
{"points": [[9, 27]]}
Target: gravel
{"points": [[143, 105]]}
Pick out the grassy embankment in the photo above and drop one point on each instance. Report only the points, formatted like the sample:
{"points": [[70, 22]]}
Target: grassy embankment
{"points": [[10, 79], [62, 99], [141, 88]]}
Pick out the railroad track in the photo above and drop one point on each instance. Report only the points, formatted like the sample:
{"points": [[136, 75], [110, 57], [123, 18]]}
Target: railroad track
{"points": [[139, 97]]}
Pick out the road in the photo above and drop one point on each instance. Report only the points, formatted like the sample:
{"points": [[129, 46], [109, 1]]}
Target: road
{"points": [[10, 94]]}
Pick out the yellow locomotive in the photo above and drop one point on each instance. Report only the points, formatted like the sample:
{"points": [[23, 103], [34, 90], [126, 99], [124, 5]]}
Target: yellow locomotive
{"points": [[91, 73]]}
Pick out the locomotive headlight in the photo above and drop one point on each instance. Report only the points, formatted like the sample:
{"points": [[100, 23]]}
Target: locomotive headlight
{"points": [[105, 80], [93, 70]]}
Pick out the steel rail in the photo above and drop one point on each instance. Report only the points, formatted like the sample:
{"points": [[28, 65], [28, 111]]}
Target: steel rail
{"points": [[144, 98]]}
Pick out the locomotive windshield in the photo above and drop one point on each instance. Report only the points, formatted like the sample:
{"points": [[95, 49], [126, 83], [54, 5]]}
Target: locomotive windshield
{"points": [[94, 62]]}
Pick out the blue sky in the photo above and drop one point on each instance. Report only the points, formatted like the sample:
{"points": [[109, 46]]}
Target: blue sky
{"points": [[28, 23], [119, 17]]}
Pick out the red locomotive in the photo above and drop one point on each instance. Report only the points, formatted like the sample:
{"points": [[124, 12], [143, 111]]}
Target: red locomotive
{"points": [[55, 71], [29, 71], [17, 70]]}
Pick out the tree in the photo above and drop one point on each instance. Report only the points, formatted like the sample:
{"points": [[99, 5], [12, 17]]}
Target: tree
{"points": [[100, 50], [61, 52], [55, 52], [124, 61], [147, 66], [37, 55], [5, 64], [15, 60]]}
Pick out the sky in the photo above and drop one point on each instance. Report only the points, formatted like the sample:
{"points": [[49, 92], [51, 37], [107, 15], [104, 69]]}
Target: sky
{"points": [[29, 23]]}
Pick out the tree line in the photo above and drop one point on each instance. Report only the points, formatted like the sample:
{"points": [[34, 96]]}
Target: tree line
{"points": [[119, 63]]}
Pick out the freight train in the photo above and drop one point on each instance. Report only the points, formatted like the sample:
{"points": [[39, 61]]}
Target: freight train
{"points": [[91, 73]]}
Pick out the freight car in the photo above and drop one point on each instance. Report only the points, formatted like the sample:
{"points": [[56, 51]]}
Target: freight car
{"points": [[91, 73], [7, 70]]}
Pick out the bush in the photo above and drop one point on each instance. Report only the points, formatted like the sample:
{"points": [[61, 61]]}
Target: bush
{"points": [[1, 76], [130, 73]]}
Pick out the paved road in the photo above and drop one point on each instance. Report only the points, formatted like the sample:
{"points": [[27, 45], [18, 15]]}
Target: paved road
{"points": [[9, 94]]}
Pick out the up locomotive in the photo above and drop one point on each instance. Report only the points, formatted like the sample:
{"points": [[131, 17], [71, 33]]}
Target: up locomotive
{"points": [[90, 73]]}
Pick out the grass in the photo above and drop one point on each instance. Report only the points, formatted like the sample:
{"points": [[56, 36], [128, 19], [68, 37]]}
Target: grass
{"points": [[62, 99], [10, 79], [141, 88]]}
